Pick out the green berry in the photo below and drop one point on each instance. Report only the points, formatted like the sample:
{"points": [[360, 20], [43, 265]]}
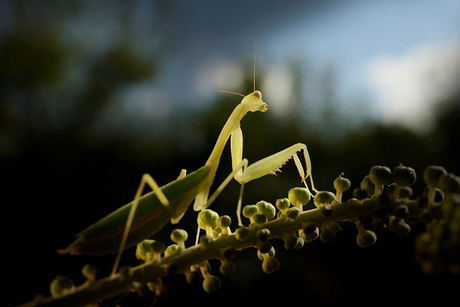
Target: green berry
{"points": [[366, 238], [342, 184], [360, 194], [211, 283], [224, 221], [309, 228], [207, 218], [227, 268], [292, 213], [282, 204], [241, 233], [323, 198], [260, 218], [380, 175], [299, 197], [264, 246], [366, 184], [61, 285], [147, 248], [405, 192], [292, 242], [404, 176], [267, 209], [263, 234], [325, 211], [270, 264], [250, 210], [270, 253], [179, 235], [327, 234], [449, 183], [171, 250], [432, 173], [311, 236]]}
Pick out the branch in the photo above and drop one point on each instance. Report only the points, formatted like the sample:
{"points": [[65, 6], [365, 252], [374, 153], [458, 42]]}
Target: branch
{"points": [[295, 227]]}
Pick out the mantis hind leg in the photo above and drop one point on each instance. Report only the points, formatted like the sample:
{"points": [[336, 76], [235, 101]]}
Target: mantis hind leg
{"points": [[145, 180]]}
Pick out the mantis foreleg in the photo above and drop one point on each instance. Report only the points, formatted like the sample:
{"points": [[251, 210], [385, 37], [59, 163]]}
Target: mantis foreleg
{"points": [[271, 164]]}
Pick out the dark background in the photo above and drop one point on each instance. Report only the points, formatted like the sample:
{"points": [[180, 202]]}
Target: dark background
{"points": [[68, 158]]}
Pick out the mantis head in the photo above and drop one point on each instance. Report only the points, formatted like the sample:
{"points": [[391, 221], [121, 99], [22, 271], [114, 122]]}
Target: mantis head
{"points": [[254, 102]]}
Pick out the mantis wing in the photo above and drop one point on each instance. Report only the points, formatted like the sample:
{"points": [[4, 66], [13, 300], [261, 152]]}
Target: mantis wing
{"points": [[104, 236]]}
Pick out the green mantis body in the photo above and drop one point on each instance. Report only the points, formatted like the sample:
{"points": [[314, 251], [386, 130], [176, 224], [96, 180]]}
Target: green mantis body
{"points": [[147, 214]]}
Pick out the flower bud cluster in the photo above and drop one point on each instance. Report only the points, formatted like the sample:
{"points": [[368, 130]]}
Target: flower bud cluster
{"points": [[438, 248]]}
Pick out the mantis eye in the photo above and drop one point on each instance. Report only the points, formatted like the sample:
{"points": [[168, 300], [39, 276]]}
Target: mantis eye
{"points": [[257, 94]]}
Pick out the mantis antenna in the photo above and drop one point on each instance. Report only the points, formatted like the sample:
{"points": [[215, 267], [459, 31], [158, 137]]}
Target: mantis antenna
{"points": [[255, 54]]}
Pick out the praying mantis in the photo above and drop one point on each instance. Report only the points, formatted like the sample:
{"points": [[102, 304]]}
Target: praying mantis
{"points": [[148, 213]]}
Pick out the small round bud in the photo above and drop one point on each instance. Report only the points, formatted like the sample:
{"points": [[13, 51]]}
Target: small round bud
{"points": [[241, 233], [228, 253], [380, 175], [146, 249], [327, 234], [366, 184], [211, 283], [260, 218], [282, 204], [449, 183], [405, 192], [401, 211], [366, 238], [61, 285], [404, 176], [432, 173], [292, 213], [439, 196], [309, 228], [263, 234], [171, 250], [207, 218], [270, 264], [224, 221], [206, 241], [323, 198], [270, 253], [398, 226], [227, 268], [360, 194], [342, 184], [311, 236], [299, 197], [267, 209], [179, 235], [250, 210], [325, 211], [292, 242], [264, 246]]}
